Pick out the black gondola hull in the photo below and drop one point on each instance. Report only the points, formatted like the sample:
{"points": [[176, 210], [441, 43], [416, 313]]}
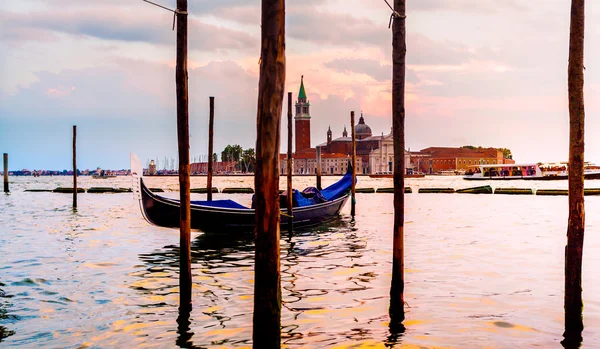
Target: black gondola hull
{"points": [[165, 212]]}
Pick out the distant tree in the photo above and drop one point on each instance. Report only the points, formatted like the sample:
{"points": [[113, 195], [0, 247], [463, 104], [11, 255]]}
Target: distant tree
{"points": [[226, 154], [506, 153], [215, 157], [232, 153], [248, 160], [237, 152]]}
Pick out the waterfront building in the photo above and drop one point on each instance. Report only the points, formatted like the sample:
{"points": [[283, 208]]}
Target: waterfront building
{"points": [[435, 159], [374, 154], [302, 120], [218, 167], [304, 159], [306, 163], [152, 168]]}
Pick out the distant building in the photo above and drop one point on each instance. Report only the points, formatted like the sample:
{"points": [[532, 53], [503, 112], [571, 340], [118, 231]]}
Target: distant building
{"points": [[305, 158], [436, 159], [152, 168], [302, 120], [218, 167], [306, 163], [374, 154]]}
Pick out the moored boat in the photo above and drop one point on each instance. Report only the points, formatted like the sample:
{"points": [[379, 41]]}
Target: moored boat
{"points": [[527, 172], [391, 175], [226, 216]]}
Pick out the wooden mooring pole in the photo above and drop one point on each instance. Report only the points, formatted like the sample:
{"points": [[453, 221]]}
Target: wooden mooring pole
{"points": [[74, 166], [319, 168], [576, 224], [266, 322], [353, 190], [211, 123], [183, 143], [5, 158], [398, 81], [289, 165]]}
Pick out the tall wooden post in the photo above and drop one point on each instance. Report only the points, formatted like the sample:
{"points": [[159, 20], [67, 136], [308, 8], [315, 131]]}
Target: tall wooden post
{"points": [[319, 168], [183, 143], [398, 77], [5, 158], [74, 166], [576, 225], [353, 190], [211, 122], [266, 332], [289, 165]]}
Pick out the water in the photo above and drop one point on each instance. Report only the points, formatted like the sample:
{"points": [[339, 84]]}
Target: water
{"points": [[482, 271]]}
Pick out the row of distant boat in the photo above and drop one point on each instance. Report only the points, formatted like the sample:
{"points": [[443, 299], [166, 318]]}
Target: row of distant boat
{"points": [[549, 171]]}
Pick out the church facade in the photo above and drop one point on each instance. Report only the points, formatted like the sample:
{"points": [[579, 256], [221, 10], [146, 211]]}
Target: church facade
{"points": [[373, 153]]}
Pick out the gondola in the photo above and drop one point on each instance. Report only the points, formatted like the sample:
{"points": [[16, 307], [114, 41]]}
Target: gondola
{"points": [[225, 216]]}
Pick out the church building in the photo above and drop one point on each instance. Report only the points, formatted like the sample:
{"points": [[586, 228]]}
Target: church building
{"points": [[335, 152], [304, 158]]}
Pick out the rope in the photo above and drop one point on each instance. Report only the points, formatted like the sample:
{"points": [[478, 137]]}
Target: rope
{"points": [[175, 12], [394, 14]]}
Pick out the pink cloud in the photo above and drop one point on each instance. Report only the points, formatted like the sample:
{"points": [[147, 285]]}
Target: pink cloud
{"points": [[60, 91]]}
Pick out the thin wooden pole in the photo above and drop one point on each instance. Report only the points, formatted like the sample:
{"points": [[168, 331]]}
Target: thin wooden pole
{"points": [[74, 166], [183, 143], [398, 80], [5, 172], [353, 190], [266, 329], [211, 123], [576, 225], [289, 165], [319, 168]]}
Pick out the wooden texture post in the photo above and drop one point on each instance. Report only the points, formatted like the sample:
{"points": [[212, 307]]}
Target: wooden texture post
{"points": [[183, 144], [266, 329], [398, 82], [74, 166], [353, 189], [5, 159], [319, 168], [576, 224], [211, 122], [289, 165]]}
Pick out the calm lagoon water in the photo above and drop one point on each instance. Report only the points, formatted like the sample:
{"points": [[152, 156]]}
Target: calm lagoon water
{"points": [[483, 271]]}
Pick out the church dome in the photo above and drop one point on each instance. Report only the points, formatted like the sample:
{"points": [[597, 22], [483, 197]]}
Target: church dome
{"points": [[362, 130]]}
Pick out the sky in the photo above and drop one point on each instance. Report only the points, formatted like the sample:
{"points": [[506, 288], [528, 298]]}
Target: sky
{"points": [[479, 72]]}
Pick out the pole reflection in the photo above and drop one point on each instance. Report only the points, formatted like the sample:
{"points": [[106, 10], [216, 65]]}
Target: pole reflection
{"points": [[4, 315], [222, 267]]}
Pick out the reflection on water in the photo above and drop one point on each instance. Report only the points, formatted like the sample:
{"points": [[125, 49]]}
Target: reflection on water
{"points": [[572, 340], [5, 316], [222, 268], [481, 271]]}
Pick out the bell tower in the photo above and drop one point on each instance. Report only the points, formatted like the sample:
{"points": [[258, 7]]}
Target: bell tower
{"points": [[302, 119]]}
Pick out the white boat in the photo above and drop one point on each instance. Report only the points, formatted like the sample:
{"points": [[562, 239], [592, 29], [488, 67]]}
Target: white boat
{"points": [[460, 172], [528, 172]]}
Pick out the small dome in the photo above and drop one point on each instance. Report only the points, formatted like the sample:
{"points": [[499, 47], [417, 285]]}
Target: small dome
{"points": [[362, 130]]}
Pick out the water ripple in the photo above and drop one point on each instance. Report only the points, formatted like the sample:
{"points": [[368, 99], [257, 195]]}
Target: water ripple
{"points": [[481, 271]]}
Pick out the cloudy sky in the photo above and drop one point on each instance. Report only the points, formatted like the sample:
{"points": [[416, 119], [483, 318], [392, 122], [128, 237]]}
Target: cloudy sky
{"points": [[479, 72]]}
